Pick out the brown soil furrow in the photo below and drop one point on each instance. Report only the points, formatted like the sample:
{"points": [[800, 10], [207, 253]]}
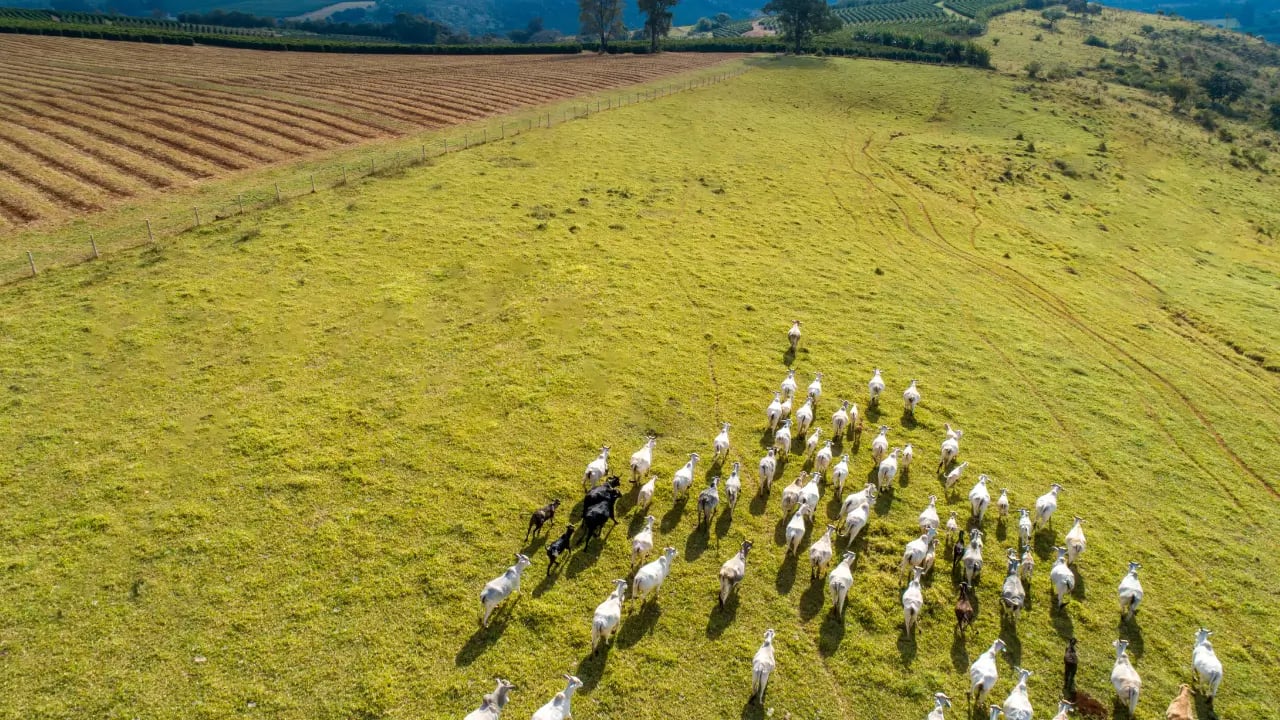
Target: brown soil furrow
{"points": [[114, 135], [355, 99], [64, 167], [59, 196], [265, 120], [373, 102], [92, 149], [11, 209], [356, 128], [179, 143], [195, 126]]}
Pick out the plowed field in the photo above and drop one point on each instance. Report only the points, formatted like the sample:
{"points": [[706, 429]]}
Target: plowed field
{"points": [[87, 123]]}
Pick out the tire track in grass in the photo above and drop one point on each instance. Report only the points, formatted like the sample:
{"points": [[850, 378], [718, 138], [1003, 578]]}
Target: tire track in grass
{"points": [[1073, 438], [1058, 307], [1189, 330], [702, 317], [1150, 411]]}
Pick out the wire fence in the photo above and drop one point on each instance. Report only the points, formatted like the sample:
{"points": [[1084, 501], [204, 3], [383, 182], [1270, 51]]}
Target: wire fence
{"points": [[93, 243]]}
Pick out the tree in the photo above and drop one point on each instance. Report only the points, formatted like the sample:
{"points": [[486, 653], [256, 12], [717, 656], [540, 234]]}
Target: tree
{"points": [[1033, 69], [657, 19], [1223, 86], [802, 19], [1126, 47], [1179, 90], [1275, 114], [1077, 7], [1053, 15], [417, 29], [602, 19], [522, 36]]}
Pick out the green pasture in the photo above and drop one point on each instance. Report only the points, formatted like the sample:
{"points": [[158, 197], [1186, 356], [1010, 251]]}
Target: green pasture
{"points": [[265, 468]]}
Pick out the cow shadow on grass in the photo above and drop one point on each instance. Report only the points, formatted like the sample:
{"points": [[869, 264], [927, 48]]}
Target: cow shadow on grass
{"points": [[585, 557], [812, 598], [696, 543], [831, 634], [786, 575], [1012, 642], [672, 516], [484, 638], [1062, 622], [906, 648], [723, 521], [1131, 631], [753, 710], [591, 668], [721, 618], [638, 623], [636, 523], [959, 652]]}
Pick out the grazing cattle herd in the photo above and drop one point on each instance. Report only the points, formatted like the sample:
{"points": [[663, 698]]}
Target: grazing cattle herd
{"points": [[800, 500]]}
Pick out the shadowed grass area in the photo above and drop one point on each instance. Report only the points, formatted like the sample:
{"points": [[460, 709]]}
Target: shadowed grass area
{"points": [[268, 474]]}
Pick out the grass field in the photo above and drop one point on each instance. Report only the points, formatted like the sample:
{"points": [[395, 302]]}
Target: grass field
{"points": [[265, 469], [91, 124]]}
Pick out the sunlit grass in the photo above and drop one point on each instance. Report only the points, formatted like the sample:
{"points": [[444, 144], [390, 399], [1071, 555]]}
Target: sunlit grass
{"points": [[265, 469]]}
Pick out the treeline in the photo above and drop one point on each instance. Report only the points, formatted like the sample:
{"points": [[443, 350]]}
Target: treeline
{"points": [[878, 45], [404, 27], [227, 19]]}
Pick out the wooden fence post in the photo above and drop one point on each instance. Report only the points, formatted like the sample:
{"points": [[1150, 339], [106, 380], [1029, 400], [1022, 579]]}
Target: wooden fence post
{"points": [[240, 201], [150, 236], [93, 245], [313, 182], [197, 213], [32, 262], [277, 192]]}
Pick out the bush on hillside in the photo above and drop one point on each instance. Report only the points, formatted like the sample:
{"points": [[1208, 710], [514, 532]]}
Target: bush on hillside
{"points": [[1095, 41]]}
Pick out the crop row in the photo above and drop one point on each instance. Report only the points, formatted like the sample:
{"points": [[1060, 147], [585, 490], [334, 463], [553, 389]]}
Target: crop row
{"points": [[123, 21], [910, 10], [983, 9]]}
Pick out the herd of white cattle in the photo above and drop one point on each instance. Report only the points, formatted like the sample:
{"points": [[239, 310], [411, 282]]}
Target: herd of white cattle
{"points": [[800, 500]]}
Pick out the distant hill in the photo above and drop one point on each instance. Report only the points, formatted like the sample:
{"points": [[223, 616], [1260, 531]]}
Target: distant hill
{"points": [[474, 16], [1258, 17]]}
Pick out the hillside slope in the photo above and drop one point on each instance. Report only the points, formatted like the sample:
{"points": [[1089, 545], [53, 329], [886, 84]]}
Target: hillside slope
{"points": [[265, 469]]}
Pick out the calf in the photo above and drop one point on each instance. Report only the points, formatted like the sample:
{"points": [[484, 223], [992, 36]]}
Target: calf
{"points": [[544, 514], [964, 609], [560, 546], [1069, 662]]}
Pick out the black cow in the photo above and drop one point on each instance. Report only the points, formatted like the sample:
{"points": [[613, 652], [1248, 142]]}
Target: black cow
{"points": [[594, 516], [560, 546]]}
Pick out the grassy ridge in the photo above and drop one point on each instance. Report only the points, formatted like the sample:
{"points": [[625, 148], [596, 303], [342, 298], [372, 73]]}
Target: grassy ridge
{"points": [[265, 470]]}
